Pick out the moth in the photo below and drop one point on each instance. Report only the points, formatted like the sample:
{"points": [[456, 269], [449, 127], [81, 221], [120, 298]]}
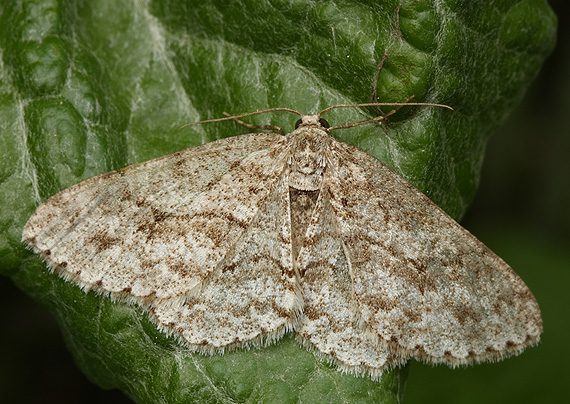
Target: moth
{"points": [[236, 242]]}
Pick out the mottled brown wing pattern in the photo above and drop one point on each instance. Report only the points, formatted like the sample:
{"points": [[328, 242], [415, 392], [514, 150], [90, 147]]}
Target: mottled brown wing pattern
{"points": [[330, 324], [156, 230], [251, 295], [419, 279]]}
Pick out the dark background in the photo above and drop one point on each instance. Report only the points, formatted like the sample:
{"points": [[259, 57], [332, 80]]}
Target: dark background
{"points": [[522, 212]]}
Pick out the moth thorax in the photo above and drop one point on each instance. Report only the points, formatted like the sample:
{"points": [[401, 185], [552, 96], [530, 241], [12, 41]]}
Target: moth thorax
{"points": [[308, 159]]}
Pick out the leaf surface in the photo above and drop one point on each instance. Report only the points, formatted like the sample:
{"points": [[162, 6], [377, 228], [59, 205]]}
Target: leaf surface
{"points": [[89, 87]]}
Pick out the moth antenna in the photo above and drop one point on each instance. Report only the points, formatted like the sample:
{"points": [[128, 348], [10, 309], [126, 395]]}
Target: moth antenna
{"points": [[234, 117], [375, 119], [254, 126], [398, 105]]}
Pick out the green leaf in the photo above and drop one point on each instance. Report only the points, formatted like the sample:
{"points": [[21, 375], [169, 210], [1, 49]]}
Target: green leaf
{"points": [[87, 87]]}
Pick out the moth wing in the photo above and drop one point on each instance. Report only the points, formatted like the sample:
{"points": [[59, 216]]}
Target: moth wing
{"points": [[156, 230], [330, 324], [251, 295], [419, 279]]}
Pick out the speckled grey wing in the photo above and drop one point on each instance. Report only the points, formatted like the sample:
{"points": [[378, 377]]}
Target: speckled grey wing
{"points": [[419, 279], [330, 325], [251, 297], [153, 232]]}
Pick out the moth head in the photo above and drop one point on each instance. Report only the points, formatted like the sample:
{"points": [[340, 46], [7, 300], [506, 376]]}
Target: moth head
{"points": [[312, 120], [310, 149]]}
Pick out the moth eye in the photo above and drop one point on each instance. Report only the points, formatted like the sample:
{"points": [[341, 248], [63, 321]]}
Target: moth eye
{"points": [[298, 123], [324, 123]]}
